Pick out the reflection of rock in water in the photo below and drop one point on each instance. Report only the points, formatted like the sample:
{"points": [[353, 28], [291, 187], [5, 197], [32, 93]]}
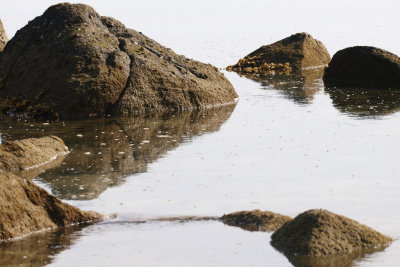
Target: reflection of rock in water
{"points": [[345, 260], [105, 151], [300, 88], [365, 102], [37, 250]]}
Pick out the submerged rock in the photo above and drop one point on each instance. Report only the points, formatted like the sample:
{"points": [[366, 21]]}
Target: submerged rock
{"points": [[71, 62], [30, 153], [26, 208], [321, 233], [256, 220], [363, 66], [290, 55], [3, 37]]}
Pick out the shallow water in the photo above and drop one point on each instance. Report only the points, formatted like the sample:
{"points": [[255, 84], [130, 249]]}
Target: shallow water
{"points": [[289, 145]]}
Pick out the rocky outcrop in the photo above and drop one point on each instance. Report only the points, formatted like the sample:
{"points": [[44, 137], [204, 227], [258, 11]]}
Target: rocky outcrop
{"points": [[290, 55], [71, 62], [321, 233], [256, 220], [363, 66], [30, 153], [26, 208], [3, 37]]}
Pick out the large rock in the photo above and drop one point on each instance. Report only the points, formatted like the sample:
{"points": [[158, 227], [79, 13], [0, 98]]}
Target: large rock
{"points": [[363, 66], [71, 62], [321, 233], [256, 220], [30, 153], [290, 55], [26, 208], [3, 37]]}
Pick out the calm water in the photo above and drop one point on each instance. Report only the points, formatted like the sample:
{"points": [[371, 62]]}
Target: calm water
{"points": [[289, 145]]}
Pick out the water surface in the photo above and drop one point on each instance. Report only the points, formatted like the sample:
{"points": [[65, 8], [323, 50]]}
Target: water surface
{"points": [[289, 145]]}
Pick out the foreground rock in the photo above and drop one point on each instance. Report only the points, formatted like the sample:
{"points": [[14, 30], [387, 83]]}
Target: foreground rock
{"points": [[16, 156], [3, 37], [27, 208], [290, 55], [321, 233], [256, 220], [71, 62], [363, 66]]}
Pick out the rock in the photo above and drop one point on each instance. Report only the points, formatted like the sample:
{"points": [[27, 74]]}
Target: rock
{"points": [[3, 37], [256, 220], [321, 233], [290, 55], [30, 153], [363, 66], [73, 63], [26, 208]]}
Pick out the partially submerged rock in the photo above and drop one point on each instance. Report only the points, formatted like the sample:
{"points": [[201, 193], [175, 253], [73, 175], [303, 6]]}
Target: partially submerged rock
{"points": [[256, 220], [26, 208], [30, 153], [3, 37], [71, 62], [363, 66], [290, 55], [321, 233]]}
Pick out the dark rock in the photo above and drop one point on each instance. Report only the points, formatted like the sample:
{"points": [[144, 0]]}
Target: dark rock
{"points": [[290, 55], [3, 37], [73, 63], [256, 220], [363, 66], [321, 233]]}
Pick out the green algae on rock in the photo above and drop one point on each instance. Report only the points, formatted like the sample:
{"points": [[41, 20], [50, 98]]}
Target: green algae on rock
{"points": [[256, 220], [321, 233], [72, 63], [363, 66], [290, 55]]}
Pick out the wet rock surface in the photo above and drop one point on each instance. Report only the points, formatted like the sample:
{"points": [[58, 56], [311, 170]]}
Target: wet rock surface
{"points": [[22, 155], [256, 220], [72, 63], [3, 36], [290, 55], [322, 233], [363, 66], [27, 208]]}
